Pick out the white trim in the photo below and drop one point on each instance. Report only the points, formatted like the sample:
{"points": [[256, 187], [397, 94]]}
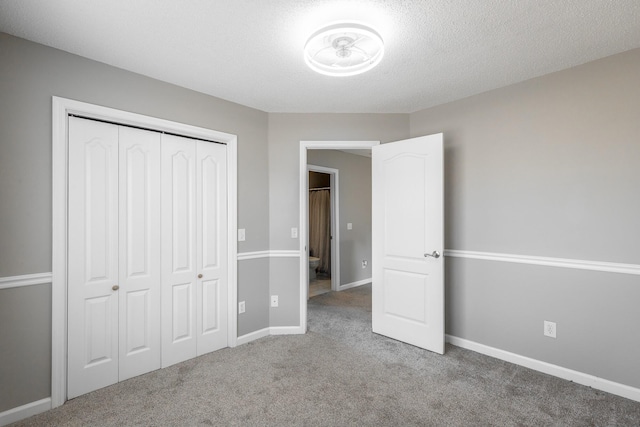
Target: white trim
{"points": [[25, 411], [265, 332], [284, 254], [303, 186], [287, 330], [609, 267], [548, 368], [334, 175], [61, 108], [268, 254], [25, 280], [253, 255], [252, 336], [232, 236], [354, 284]]}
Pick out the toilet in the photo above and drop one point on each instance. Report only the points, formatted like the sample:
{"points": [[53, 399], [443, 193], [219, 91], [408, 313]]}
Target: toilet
{"points": [[313, 264]]}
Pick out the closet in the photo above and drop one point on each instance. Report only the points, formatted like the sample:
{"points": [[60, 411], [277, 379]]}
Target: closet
{"points": [[147, 276]]}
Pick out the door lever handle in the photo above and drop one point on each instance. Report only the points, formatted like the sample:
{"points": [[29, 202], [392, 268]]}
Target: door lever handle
{"points": [[434, 254]]}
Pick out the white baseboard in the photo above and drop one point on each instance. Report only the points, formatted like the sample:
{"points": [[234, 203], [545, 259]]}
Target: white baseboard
{"points": [[276, 330], [550, 369], [24, 411], [286, 330], [354, 284], [252, 336]]}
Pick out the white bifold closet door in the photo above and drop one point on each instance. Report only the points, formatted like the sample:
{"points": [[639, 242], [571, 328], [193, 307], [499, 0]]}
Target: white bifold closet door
{"points": [[114, 254], [194, 241], [147, 278]]}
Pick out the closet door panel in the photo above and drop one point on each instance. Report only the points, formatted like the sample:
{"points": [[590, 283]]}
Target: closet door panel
{"points": [[179, 275], [211, 246], [93, 256], [139, 242]]}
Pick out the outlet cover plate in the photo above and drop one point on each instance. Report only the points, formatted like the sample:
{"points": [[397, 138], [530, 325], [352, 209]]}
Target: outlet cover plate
{"points": [[549, 329], [241, 307]]}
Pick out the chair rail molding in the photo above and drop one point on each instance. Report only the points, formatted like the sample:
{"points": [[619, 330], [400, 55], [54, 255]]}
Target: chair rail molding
{"points": [[25, 280], [609, 267], [268, 254]]}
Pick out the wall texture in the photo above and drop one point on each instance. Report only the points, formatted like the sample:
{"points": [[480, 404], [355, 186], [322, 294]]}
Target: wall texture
{"points": [[354, 207], [30, 74], [549, 167], [286, 130]]}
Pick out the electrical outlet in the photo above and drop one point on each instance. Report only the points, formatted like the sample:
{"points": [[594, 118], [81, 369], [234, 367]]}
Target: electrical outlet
{"points": [[241, 307], [365, 263], [241, 235], [294, 233], [274, 300], [549, 329]]}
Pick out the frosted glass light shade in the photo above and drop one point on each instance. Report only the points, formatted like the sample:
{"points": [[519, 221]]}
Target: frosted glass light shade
{"points": [[344, 49]]}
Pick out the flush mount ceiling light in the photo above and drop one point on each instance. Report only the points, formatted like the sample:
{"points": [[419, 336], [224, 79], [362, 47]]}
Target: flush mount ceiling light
{"points": [[344, 49]]}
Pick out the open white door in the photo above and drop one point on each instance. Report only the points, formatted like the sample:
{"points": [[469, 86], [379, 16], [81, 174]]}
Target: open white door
{"points": [[408, 242]]}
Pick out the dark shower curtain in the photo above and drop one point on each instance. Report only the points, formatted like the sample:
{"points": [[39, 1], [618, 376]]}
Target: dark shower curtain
{"points": [[320, 228]]}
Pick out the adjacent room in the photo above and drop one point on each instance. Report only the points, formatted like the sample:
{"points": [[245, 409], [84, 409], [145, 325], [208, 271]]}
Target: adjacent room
{"points": [[319, 213]]}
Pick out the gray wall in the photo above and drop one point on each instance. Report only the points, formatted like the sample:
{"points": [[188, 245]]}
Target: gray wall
{"points": [[286, 130], [355, 208], [549, 167], [30, 74], [256, 296], [25, 345]]}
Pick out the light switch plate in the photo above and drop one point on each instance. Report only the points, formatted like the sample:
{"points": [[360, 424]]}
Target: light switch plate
{"points": [[241, 235], [349, 226]]}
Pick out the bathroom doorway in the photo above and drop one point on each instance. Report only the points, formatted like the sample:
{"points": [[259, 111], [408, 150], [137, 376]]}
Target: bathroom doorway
{"points": [[322, 209]]}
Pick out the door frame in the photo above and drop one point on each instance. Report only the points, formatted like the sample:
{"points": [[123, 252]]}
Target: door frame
{"points": [[61, 108], [334, 175], [304, 206]]}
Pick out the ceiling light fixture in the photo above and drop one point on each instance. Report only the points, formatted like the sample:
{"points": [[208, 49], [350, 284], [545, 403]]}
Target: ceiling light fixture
{"points": [[344, 49]]}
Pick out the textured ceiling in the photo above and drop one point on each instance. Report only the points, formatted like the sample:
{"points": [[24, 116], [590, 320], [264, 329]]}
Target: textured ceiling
{"points": [[250, 51]]}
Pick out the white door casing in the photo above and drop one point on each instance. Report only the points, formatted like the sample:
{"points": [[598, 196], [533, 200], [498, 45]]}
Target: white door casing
{"points": [[408, 241], [93, 247]]}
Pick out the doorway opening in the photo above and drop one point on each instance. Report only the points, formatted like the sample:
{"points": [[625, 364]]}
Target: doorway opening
{"points": [[304, 217], [324, 259]]}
